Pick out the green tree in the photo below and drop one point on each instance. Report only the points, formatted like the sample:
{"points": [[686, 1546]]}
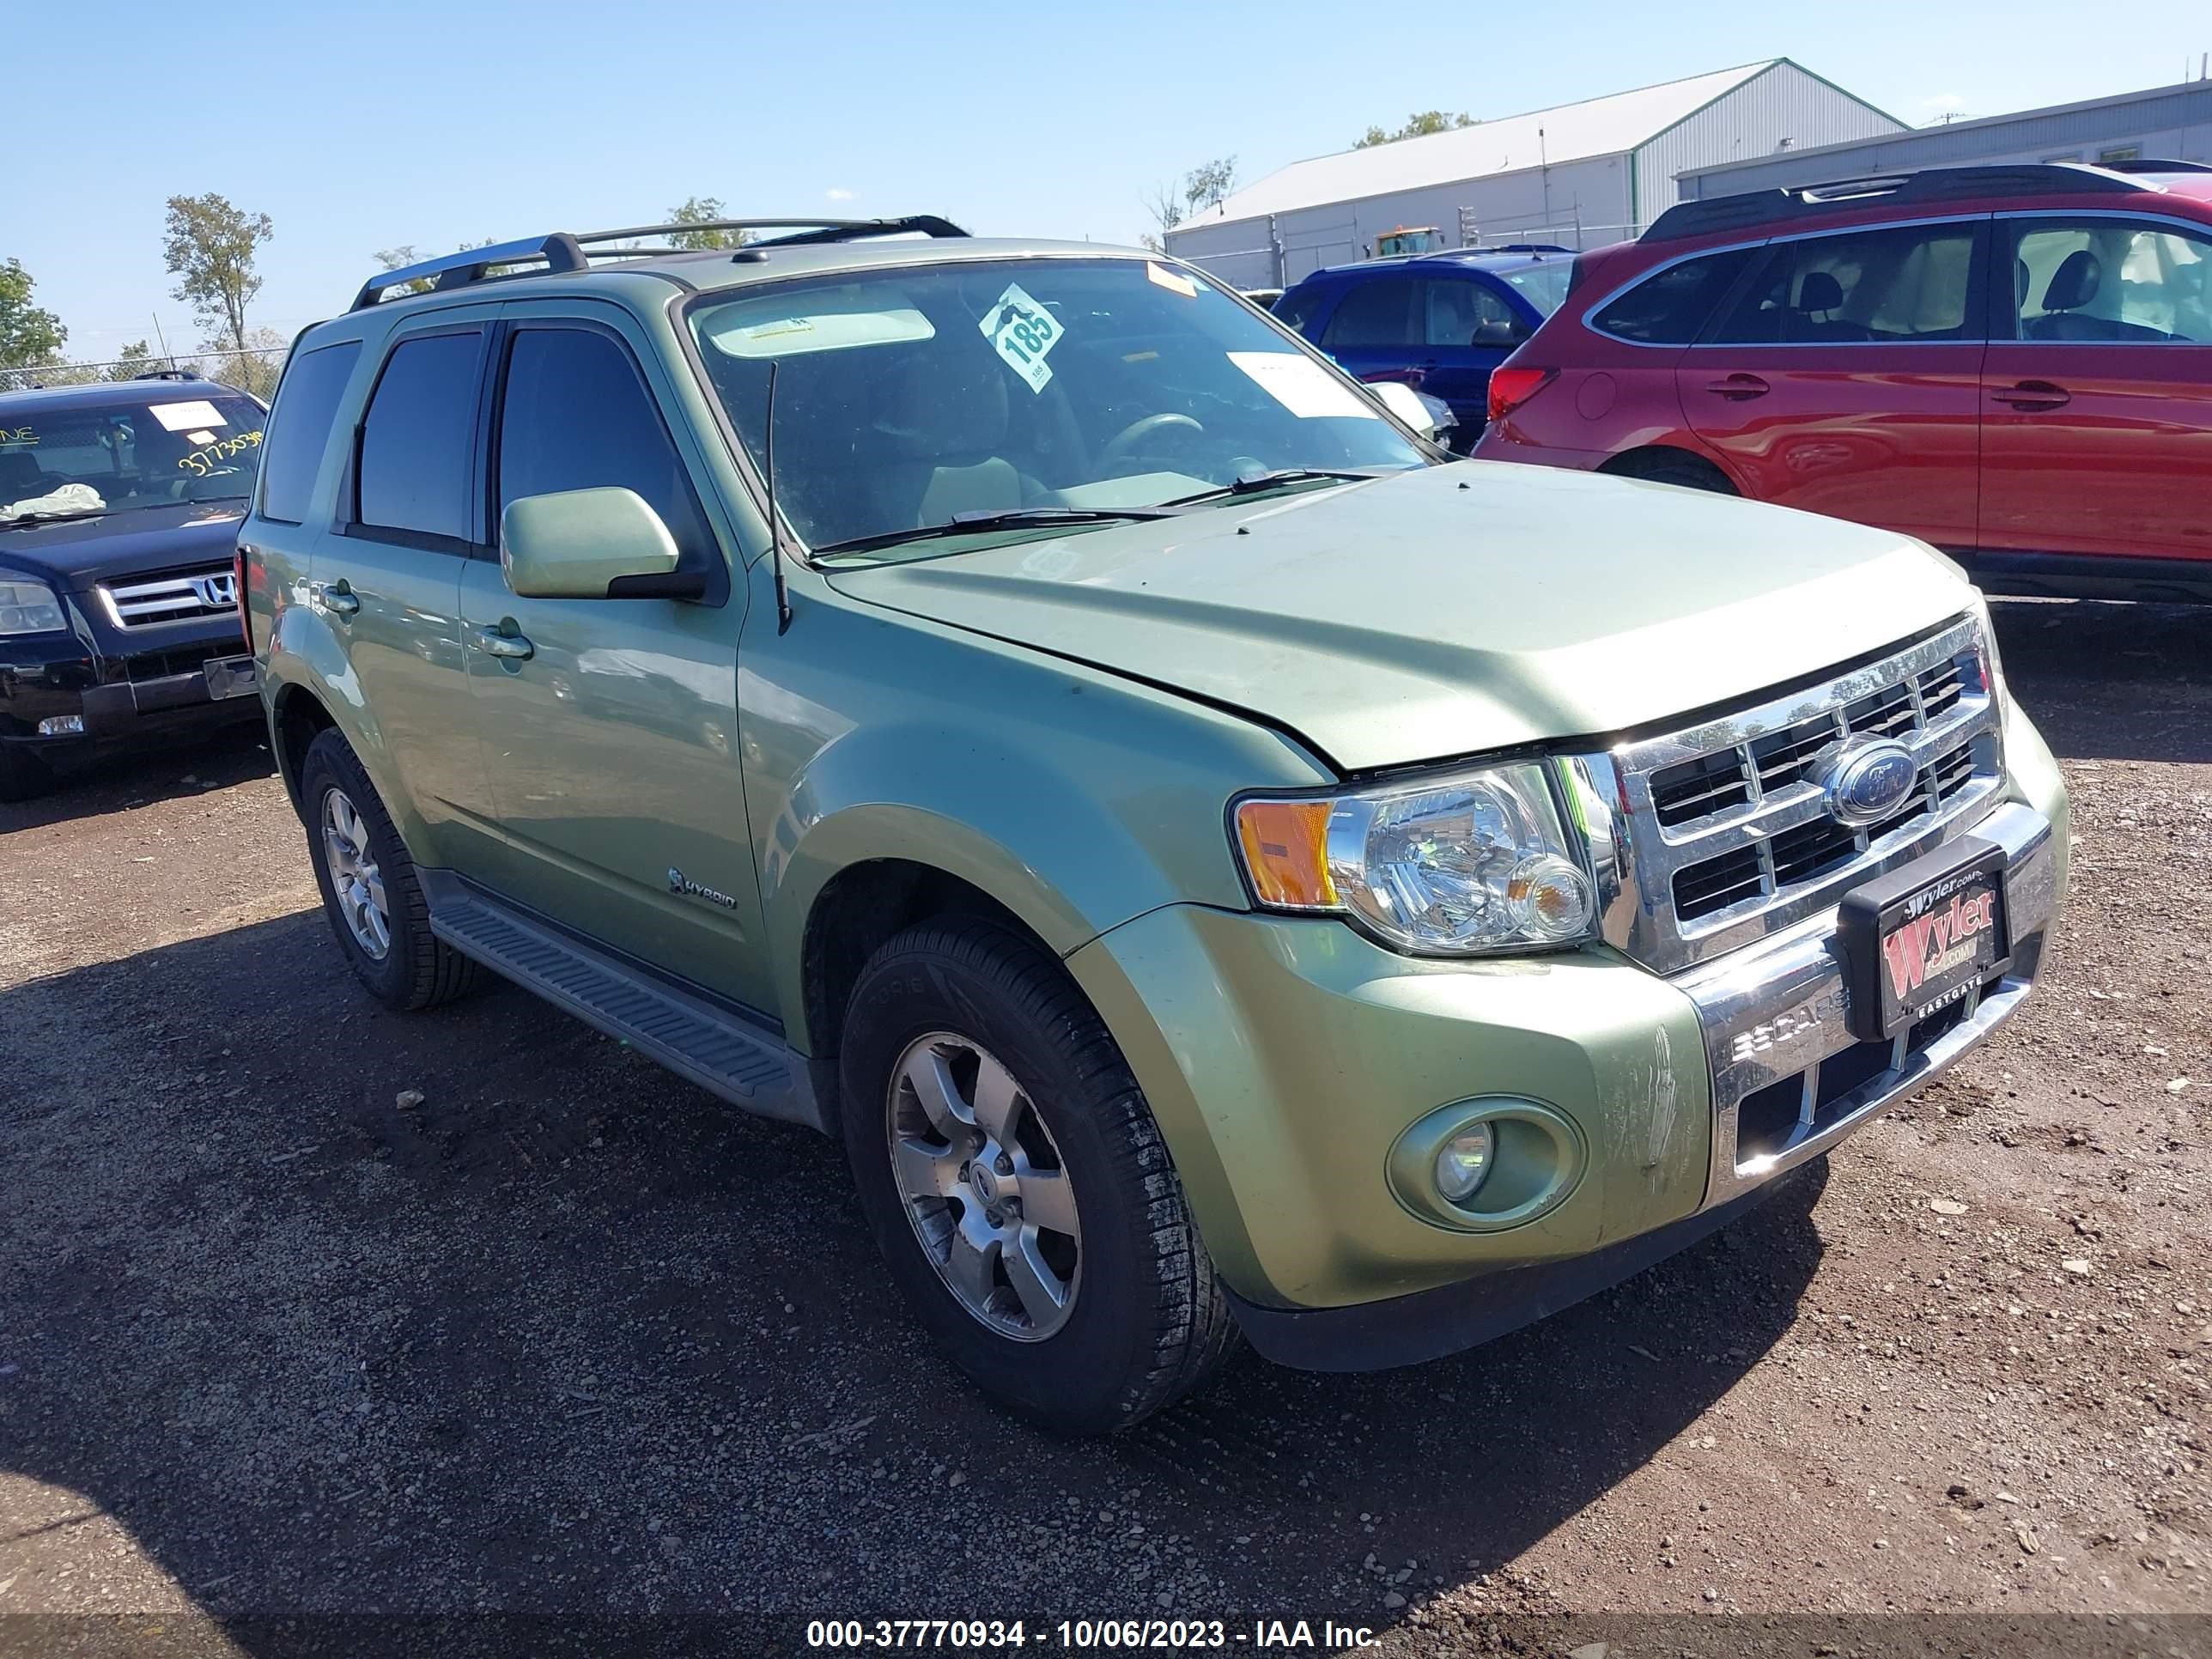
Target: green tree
{"points": [[210, 250], [29, 335], [1209, 185], [701, 210], [136, 359], [1420, 124]]}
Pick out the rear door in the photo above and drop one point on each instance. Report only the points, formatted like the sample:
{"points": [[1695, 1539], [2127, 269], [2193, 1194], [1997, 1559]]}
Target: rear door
{"points": [[390, 582], [1844, 377], [1375, 324], [612, 743], [2097, 423]]}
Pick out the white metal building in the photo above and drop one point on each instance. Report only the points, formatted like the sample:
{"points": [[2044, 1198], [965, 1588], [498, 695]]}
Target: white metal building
{"points": [[2166, 124], [1580, 174]]}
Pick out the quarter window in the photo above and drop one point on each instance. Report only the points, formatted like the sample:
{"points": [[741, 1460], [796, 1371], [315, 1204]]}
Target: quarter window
{"points": [[300, 429], [2105, 280], [576, 416], [418, 439], [1374, 314], [1907, 284], [1670, 307]]}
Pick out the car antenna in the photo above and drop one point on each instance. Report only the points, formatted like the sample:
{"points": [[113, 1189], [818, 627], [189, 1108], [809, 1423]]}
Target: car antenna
{"points": [[774, 524]]}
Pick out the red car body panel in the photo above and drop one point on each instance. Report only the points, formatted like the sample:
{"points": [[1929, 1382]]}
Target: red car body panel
{"points": [[2045, 464]]}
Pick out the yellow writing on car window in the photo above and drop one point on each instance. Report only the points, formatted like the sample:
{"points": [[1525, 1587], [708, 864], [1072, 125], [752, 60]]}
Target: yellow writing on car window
{"points": [[22, 434], [204, 459]]}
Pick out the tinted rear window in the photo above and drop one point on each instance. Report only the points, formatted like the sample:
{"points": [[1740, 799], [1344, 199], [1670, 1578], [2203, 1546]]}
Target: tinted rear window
{"points": [[1374, 314], [1910, 283], [1670, 307], [300, 429], [418, 439]]}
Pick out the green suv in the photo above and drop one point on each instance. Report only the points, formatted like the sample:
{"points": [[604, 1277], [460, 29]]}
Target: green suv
{"points": [[1220, 864]]}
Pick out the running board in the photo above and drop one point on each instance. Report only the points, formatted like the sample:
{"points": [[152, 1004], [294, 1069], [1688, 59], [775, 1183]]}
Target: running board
{"points": [[714, 1046]]}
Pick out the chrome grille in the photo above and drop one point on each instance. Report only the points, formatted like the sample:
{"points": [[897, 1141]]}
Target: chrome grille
{"points": [[185, 597], [1723, 833]]}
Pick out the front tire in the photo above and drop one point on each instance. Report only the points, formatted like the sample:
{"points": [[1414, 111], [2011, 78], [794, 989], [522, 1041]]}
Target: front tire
{"points": [[1016, 1185], [370, 894], [23, 775]]}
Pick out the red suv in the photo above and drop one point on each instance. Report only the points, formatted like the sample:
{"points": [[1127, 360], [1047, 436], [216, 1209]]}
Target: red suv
{"points": [[2012, 362]]}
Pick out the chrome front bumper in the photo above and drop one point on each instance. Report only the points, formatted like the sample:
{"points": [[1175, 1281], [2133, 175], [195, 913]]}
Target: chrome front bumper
{"points": [[1790, 1079]]}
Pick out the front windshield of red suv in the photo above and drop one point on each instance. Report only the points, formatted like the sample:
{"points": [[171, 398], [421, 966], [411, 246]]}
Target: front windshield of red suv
{"points": [[909, 397], [175, 442]]}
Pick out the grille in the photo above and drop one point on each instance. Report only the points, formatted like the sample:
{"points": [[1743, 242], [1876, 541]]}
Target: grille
{"points": [[185, 597], [1724, 831]]}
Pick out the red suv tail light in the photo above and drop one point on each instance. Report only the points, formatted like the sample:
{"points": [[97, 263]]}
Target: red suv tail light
{"points": [[1511, 387]]}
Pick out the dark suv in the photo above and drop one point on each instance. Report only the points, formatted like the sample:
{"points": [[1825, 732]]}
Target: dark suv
{"points": [[1437, 322], [2013, 362], [119, 505]]}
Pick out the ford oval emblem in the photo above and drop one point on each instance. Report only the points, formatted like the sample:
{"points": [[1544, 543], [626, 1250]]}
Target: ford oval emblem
{"points": [[1868, 782]]}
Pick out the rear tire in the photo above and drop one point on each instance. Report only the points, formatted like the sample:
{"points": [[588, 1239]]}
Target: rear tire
{"points": [[1687, 470], [969, 1051], [374, 903]]}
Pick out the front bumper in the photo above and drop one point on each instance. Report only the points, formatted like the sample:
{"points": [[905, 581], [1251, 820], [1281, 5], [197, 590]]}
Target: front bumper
{"points": [[147, 693], [1283, 1059]]}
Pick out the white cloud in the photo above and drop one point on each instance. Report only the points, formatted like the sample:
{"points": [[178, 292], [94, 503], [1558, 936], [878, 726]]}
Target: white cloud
{"points": [[838, 193], [1944, 103]]}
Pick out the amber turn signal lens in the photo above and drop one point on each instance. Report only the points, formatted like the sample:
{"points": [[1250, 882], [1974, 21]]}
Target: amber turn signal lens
{"points": [[1285, 846]]}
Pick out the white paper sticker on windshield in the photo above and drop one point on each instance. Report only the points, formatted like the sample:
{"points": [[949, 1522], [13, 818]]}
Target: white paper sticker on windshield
{"points": [[176, 417], [1174, 281], [1302, 385], [1022, 331]]}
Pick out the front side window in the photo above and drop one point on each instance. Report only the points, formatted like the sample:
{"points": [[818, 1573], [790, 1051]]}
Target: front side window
{"points": [[906, 396], [1462, 312], [300, 427], [1670, 307], [574, 415], [1912, 283], [2105, 280], [143, 449], [1543, 286], [1375, 315], [418, 438]]}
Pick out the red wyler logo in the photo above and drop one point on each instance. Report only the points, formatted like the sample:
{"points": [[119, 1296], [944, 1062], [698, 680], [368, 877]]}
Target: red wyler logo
{"points": [[1929, 946]]}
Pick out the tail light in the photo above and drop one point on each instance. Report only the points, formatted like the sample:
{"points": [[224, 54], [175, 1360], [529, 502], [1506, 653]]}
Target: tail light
{"points": [[1511, 387]]}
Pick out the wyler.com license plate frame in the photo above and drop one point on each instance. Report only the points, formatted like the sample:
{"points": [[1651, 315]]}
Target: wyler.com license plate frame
{"points": [[1923, 936]]}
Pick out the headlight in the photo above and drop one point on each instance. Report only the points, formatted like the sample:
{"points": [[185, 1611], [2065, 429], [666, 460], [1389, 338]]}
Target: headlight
{"points": [[1466, 864], [1989, 644], [28, 607]]}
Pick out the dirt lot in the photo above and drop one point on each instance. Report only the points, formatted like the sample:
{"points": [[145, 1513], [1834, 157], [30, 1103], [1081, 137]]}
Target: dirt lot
{"points": [[571, 1338]]}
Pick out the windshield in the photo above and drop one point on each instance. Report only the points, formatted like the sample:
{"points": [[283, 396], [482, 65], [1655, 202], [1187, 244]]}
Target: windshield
{"points": [[180, 443], [905, 398], [1544, 286]]}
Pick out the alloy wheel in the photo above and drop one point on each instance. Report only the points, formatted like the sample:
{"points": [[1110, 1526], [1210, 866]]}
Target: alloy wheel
{"points": [[355, 876], [984, 1186]]}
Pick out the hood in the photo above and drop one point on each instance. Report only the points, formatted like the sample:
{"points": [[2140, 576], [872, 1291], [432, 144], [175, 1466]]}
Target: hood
{"points": [[1451, 611], [78, 552]]}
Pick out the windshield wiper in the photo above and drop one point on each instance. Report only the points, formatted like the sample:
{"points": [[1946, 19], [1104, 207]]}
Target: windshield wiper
{"points": [[53, 517], [1251, 484], [1019, 518]]}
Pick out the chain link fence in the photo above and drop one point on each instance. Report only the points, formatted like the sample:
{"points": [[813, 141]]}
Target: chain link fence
{"points": [[249, 371]]}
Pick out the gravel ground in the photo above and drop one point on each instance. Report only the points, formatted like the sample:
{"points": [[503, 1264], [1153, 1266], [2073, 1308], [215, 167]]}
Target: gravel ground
{"points": [[568, 1337]]}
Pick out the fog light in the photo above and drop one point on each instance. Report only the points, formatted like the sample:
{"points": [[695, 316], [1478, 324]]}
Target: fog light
{"points": [[1464, 1162], [61, 725]]}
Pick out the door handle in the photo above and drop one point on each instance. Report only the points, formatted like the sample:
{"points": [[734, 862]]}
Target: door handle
{"points": [[1739, 387], [513, 647], [341, 600], [2032, 395]]}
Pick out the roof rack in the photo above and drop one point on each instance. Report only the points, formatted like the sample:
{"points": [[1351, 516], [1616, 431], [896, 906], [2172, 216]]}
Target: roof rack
{"points": [[566, 252], [169, 374], [1761, 207]]}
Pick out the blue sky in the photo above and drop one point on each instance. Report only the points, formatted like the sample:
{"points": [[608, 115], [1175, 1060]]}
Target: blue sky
{"points": [[358, 128]]}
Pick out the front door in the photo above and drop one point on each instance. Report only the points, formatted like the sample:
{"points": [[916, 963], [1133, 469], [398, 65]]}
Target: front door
{"points": [[612, 743], [2097, 423], [1845, 378]]}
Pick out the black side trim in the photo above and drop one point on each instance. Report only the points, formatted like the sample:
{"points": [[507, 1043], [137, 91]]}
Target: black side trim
{"points": [[1407, 1330], [2090, 576]]}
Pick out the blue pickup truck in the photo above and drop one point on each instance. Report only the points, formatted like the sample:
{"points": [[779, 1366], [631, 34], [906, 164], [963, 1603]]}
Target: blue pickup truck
{"points": [[1438, 322]]}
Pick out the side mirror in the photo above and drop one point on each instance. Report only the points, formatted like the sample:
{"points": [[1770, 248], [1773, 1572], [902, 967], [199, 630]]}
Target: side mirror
{"points": [[591, 544]]}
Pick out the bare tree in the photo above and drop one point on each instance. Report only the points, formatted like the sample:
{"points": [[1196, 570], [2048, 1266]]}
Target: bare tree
{"points": [[210, 250]]}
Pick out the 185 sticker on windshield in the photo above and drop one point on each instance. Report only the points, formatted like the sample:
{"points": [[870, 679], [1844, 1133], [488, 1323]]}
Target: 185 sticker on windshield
{"points": [[1023, 332]]}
